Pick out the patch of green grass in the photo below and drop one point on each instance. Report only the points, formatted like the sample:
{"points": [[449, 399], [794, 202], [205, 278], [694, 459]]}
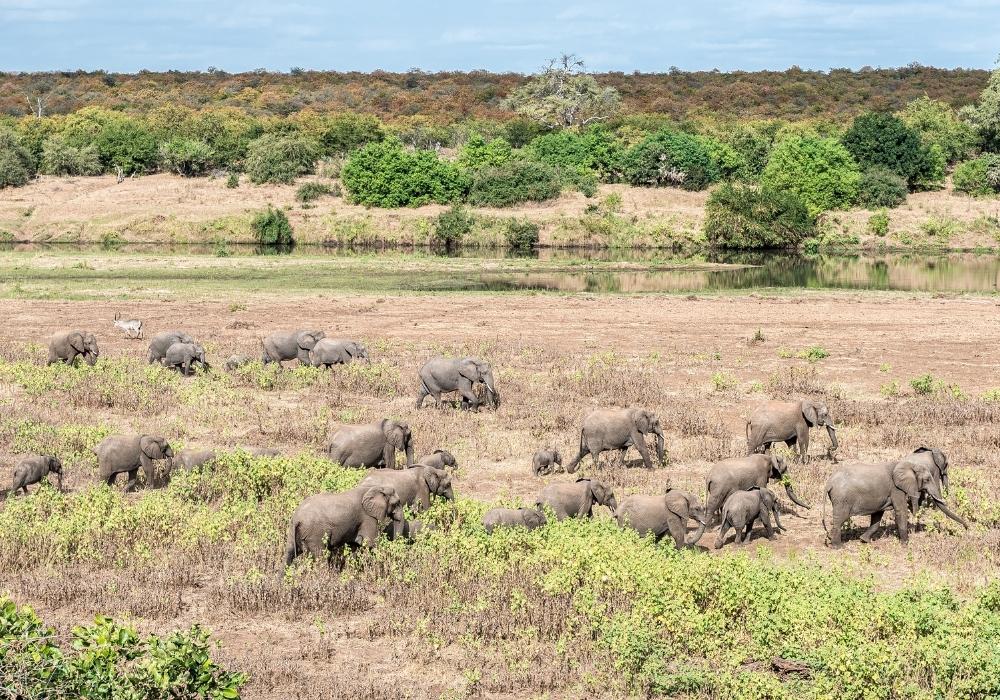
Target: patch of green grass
{"points": [[814, 353]]}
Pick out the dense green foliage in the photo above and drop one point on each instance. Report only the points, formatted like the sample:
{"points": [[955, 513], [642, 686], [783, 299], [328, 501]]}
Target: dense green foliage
{"points": [[188, 157], [280, 158], [979, 177], [521, 235], [60, 158], [881, 187], [16, 163], [312, 190], [272, 228], [342, 133], [595, 150], [745, 216], [939, 125], [385, 174], [452, 225], [670, 158], [479, 153], [821, 172], [879, 140], [514, 182]]}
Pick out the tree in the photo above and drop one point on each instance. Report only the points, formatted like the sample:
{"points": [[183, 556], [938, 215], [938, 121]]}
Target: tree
{"points": [[938, 124], [821, 172], [562, 95], [879, 139], [985, 116]]}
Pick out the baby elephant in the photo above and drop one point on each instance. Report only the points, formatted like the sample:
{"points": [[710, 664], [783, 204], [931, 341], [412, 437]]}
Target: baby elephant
{"points": [[67, 346], [33, 469], [236, 361], [528, 518], [180, 356], [545, 461], [439, 459], [742, 508]]}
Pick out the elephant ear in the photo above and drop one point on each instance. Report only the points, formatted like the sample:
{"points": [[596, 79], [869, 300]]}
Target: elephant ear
{"points": [[76, 342], [778, 468], [681, 507], [905, 479], [375, 502], [809, 413], [583, 478], [469, 369], [940, 460], [150, 447], [433, 479]]}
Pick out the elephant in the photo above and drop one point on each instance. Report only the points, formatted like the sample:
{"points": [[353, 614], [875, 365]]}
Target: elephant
{"points": [[545, 461], [442, 459], [161, 342], [180, 356], [618, 429], [742, 508], [528, 518], [372, 444], [191, 458], [236, 361], [329, 351], [577, 499], [68, 345], [872, 489], [937, 462], [442, 375], [742, 473], [407, 530], [788, 422], [414, 486], [33, 469], [279, 347], [325, 522], [126, 453], [261, 451], [667, 513]]}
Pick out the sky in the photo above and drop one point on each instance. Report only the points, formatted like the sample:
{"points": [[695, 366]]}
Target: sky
{"points": [[496, 35]]}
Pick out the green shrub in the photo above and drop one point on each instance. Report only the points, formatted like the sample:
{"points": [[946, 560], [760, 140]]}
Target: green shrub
{"points": [[61, 158], [512, 183], [879, 139], [926, 384], [814, 353], [233, 181], [16, 164], [280, 158], [271, 227], [521, 235], [821, 172], [343, 133], [744, 216], [478, 153], [122, 141], [979, 177], [312, 190], [187, 157], [881, 187], [727, 161], [593, 151], [878, 223], [452, 225], [939, 125], [670, 158], [387, 175]]}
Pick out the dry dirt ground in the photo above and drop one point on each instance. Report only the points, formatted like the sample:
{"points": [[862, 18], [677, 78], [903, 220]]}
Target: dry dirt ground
{"points": [[690, 358]]}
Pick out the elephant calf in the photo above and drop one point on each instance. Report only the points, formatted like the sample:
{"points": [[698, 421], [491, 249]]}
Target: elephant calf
{"points": [[191, 459], [127, 453], [545, 461], [69, 345], [742, 508], [180, 357], [664, 514], [742, 473], [33, 469], [161, 342], [334, 351], [441, 459], [619, 429], [236, 361], [529, 518], [441, 375], [371, 445], [576, 500]]}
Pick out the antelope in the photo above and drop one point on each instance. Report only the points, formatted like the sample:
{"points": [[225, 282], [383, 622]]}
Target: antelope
{"points": [[131, 327]]}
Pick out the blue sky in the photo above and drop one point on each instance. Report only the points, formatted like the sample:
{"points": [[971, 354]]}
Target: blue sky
{"points": [[516, 35]]}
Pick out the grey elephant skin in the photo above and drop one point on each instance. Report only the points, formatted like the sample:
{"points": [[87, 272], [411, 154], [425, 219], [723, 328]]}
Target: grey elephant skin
{"points": [[414, 486], [442, 375], [129, 453], [441, 459], [664, 514], [337, 351], [872, 489], [528, 518], [181, 356], [576, 499], [234, 362], [191, 459], [741, 474], [260, 451], [296, 345], [161, 342], [33, 469], [545, 461], [618, 429], [69, 345], [326, 522], [937, 463], [743, 508], [372, 444], [788, 422]]}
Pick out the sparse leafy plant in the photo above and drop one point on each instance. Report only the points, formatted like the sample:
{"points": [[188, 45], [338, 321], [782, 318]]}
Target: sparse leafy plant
{"points": [[271, 227]]}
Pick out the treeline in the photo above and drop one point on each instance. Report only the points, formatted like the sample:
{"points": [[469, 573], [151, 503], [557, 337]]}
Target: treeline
{"points": [[449, 96]]}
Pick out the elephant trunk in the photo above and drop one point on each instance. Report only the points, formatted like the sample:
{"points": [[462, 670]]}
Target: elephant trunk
{"points": [[944, 481], [613, 505], [491, 391], [795, 499], [695, 536], [940, 505], [409, 453], [831, 430], [660, 445]]}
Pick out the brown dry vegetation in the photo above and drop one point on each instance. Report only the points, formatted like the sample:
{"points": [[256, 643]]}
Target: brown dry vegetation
{"points": [[693, 360]]}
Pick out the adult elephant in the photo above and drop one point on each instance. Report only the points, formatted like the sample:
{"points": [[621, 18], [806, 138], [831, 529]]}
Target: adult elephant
{"points": [[335, 351], [744, 473], [161, 342], [577, 499], [371, 445], [326, 522], [872, 489], [443, 375], [788, 422], [619, 429], [414, 486], [667, 513], [279, 347], [127, 453], [69, 345]]}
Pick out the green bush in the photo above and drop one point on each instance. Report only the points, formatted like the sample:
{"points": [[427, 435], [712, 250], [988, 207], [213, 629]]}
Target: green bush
{"points": [[745, 216], [979, 177], [16, 164], [878, 223], [882, 140], [280, 158], [187, 157], [521, 235], [312, 190], [478, 153], [881, 187], [729, 163], [343, 133], [575, 153], [387, 175], [512, 183], [821, 172], [272, 228], [61, 158], [452, 225], [939, 125], [122, 141], [233, 181], [670, 158]]}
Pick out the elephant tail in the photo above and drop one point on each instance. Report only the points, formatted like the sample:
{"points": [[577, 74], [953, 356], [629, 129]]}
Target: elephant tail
{"points": [[291, 543]]}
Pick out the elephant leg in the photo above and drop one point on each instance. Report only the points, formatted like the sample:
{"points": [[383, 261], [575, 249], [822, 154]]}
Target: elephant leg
{"points": [[640, 444], [130, 484], [422, 394], [721, 539], [900, 511], [840, 516], [677, 530], [465, 389], [740, 526], [149, 470], [876, 520], [803, 439], [571, 466], [765, 520], [596, 454], [316, 546]]}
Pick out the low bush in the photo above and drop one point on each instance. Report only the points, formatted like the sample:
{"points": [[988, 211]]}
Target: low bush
{"points": [[187, 157], [521, 235], [979, 177], [59, 157], [821, 172], [452, 225], [280, 158], [478, 153], [387, 175], [878, 223], [512, 183], [233, 181], [312, 190], [343, 133], [670, 159], [272, 228], [16, 164], [595, 151], [881, 188], [745, 216]]}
